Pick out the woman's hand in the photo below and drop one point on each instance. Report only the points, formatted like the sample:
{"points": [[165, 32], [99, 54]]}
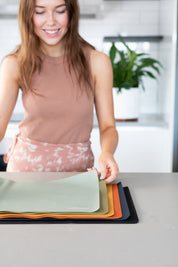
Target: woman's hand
{"points": [[108, 166]]}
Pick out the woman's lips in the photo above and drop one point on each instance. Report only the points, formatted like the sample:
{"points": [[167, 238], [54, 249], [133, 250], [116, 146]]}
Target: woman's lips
{"points": [[51, 33]]}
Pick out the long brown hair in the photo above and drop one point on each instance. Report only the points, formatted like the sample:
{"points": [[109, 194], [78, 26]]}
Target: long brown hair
{"points": [[27, 52]]}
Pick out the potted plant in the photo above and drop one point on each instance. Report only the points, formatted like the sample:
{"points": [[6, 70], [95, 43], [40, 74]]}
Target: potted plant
{"points": [[128, 73]]}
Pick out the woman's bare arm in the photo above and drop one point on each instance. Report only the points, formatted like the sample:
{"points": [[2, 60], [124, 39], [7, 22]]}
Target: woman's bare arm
{"points": [[9, 89], [102, 71]]}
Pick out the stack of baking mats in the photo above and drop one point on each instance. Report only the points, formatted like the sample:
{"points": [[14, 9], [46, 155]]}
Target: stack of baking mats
{"points": [[81, 198]]}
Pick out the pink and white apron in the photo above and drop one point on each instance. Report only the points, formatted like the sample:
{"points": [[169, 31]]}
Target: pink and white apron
{"points": [[26, 155]]}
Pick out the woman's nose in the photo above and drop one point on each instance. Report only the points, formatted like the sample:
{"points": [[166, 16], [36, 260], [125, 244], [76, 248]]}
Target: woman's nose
{"points": [[51, 19]]}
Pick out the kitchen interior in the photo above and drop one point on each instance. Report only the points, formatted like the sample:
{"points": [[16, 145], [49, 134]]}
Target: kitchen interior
{"points": [[146, 154], [148, 26]]}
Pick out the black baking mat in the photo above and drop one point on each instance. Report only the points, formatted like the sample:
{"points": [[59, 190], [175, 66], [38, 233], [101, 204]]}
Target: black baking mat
{"points": [[133, 218]]}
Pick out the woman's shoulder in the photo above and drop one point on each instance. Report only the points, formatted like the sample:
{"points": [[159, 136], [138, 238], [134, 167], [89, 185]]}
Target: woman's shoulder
{"points": [[10, 66], [99, 58], [95, 54], [10, 60], [99, 61]]}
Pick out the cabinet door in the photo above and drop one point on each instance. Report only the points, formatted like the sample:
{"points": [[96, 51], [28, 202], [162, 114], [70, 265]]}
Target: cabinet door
{"points": [[141, 149]]}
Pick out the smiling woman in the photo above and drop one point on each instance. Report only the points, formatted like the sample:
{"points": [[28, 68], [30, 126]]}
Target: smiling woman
{"points": [[61, 77], [56, 15], [51, 25]]}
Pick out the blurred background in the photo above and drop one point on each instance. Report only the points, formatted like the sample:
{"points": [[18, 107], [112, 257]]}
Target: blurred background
{"points": [[150, 26]]}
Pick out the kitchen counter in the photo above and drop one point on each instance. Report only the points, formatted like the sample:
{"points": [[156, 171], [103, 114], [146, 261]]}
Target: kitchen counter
{"points": [[153, 242]]}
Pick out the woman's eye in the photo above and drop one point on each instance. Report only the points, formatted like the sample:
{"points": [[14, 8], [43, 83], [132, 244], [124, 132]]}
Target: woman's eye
{"points": [[62, 11], [39, 12]]}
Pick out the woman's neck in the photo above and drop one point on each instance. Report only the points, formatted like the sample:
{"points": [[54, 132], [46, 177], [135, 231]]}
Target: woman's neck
{"points": [[53, 51]]}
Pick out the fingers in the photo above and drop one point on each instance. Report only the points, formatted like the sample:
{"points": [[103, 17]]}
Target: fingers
{"points": [[104, 170], [111, 178], [110, 172], [115, 171]]}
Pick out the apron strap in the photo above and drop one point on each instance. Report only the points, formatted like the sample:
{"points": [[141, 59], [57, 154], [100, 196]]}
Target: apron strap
{"points": [[10, 149]]}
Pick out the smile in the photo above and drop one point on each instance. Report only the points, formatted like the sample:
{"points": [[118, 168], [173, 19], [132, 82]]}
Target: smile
{"points": [[52, 32]]}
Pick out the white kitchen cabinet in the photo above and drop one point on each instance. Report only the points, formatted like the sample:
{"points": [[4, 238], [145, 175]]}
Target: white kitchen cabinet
{"points": [[140, 148]]}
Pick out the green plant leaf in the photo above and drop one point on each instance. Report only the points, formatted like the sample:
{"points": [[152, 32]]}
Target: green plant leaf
{"points": [[126, 85], [150, 61], [124, 43], [156, 69], [131, 67], [151, 75], [112, 53], [142, 84], [142, 54]]}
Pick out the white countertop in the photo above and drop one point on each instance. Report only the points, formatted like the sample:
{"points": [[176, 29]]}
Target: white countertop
{"points": [[153, 242]]}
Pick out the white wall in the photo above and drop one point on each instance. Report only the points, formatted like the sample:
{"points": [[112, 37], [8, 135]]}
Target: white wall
{"points": [[125, 17]]}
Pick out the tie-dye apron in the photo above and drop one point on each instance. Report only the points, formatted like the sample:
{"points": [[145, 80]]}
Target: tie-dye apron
{"points": [[26, 155]]}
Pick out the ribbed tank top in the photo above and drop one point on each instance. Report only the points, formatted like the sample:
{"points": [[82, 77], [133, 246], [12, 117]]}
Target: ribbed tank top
{"points": [[59, 112]]}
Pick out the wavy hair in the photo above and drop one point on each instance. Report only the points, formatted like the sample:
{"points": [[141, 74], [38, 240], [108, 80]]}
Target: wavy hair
{"points": [[27, 52]]}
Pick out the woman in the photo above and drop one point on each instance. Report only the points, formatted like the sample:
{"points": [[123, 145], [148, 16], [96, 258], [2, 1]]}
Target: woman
{"points": [[61, 77]]}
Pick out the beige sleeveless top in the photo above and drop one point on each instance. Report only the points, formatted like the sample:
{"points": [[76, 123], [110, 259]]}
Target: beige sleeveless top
{"points": [[59, 113]]}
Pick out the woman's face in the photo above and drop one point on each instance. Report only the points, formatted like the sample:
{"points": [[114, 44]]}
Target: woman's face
{"points": [[50, 21]]}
